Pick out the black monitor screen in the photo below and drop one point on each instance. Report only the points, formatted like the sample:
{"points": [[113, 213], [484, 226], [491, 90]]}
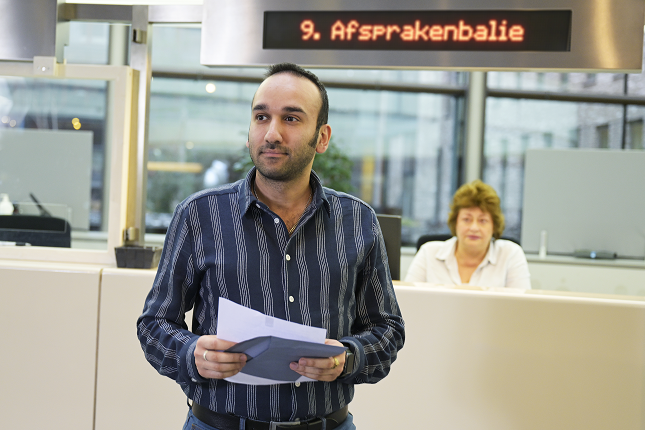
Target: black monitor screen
{"points": [[391, 228]]}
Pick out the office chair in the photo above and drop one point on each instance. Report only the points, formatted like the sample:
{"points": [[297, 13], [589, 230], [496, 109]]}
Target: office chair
{"points": [[36, 230], [432, 237]]}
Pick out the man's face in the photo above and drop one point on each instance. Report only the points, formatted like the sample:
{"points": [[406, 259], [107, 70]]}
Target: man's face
{"points": [[282, 136]]}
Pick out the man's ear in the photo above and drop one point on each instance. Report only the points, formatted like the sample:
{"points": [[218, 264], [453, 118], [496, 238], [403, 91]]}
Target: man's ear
{"points": [[247, 143], [324, 135]]}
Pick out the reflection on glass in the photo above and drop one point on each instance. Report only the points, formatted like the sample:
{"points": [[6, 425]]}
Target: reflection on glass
{"points": [[52, 151], [401, 148], [515, 125]]}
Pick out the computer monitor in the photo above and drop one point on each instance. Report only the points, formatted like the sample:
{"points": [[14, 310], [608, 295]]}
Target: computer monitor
{"points": [[391, 228]]}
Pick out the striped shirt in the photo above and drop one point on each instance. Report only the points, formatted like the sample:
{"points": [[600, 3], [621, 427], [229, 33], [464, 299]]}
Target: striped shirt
{"points": [[332, 272]]}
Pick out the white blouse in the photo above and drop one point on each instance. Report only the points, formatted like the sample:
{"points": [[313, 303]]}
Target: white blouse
{"points": [[504, 266]]}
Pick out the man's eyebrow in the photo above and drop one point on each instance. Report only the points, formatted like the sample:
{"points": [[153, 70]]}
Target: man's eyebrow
{"points": [[294, 109], [262, 106]]}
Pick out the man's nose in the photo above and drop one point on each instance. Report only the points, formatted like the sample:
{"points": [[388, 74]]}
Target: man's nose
{"points": [[274, 132]]}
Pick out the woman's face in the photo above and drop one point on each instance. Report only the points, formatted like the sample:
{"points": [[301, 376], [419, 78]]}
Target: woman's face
{"points": [[474, 228]]}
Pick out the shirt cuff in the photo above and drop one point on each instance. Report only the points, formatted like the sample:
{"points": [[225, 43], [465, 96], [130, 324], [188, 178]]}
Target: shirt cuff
{"points": [[187, 368]]}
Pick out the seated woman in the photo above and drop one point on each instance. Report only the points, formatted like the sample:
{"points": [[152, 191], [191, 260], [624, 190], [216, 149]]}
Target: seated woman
{"points": [[471, 256]]}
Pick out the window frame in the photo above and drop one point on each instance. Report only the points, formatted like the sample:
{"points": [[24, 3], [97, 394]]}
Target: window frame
{"points": [[121, 131]]}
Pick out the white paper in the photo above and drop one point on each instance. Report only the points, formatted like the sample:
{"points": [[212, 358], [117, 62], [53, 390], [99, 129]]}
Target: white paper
{"points": [[237, 323]]}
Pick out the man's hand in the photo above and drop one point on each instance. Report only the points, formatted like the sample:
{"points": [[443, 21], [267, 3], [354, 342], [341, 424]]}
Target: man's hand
{"points": [[212, 362], [321, 369]]}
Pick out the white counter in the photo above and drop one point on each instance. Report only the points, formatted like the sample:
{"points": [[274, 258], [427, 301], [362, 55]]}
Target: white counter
{"points": [[472, 360]]}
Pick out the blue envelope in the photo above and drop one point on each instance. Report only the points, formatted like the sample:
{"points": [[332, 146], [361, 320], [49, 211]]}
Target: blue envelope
{"points": [[269, 356]]}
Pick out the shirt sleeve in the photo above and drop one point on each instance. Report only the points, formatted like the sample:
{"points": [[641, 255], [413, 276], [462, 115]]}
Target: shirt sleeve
{"points": [[167, 343], [378, 332], [517, 275]]}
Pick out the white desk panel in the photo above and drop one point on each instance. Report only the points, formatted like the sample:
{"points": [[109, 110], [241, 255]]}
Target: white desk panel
{"points": [[477, 360], [48, 361], [130, 393]]}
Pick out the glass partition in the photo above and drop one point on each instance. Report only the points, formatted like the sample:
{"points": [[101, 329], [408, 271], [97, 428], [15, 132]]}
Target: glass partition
{"points": [[65, 159], [515, 125], [53, 152]]}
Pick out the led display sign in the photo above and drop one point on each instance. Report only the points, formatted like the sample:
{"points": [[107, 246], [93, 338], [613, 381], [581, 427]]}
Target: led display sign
{"points": [[547, 35], [465, 30]]}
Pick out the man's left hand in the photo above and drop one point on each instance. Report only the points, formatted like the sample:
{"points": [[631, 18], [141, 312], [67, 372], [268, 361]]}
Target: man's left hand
{"points": [[321, 369]]}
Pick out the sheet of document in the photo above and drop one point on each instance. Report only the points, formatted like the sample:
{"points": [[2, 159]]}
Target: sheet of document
{"points": [[237, 323]]}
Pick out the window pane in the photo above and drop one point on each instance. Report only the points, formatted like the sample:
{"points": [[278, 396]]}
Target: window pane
{"points": [[513, 126], [176, 47], [601, 83], [403, 147], [634, 132], [64, 122], [636, 84], [88, 43], [193, 134]]}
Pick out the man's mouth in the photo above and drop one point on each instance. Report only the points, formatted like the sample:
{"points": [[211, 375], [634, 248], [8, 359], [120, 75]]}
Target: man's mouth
{"points": [[272, 151]]}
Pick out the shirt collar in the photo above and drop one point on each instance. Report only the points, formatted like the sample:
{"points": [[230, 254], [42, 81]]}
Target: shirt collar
{"points": [[247, 198], [491, 255], [448, 249]]}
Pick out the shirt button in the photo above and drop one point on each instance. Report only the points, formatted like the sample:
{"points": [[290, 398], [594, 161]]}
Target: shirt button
{"points": [[288, 257], [257, 205], [276, 220], [297, 384], [193, 379], [291, 299]]}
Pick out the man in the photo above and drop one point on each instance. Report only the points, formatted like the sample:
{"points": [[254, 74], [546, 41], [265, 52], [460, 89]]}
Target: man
{"points": [[279, 243]]}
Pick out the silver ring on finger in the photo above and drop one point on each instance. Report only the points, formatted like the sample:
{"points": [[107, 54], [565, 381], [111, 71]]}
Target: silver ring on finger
{"points": [[205, 359]]}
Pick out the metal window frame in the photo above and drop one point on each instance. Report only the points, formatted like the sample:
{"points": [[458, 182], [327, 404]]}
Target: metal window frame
{"points": [[122, 129]]}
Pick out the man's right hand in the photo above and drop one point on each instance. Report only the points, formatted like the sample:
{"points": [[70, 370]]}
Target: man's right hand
{"points": [[212, 362]]}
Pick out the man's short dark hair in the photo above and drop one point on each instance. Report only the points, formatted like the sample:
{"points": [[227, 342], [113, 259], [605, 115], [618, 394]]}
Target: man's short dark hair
{"points": [[296, 70]]}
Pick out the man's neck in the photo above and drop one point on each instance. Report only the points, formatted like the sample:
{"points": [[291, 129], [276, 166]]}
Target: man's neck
{"points": [[282, 196]]}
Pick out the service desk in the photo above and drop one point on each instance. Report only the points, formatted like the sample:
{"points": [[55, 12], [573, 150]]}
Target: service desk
{"points": [[512, 361], [472, 359]]}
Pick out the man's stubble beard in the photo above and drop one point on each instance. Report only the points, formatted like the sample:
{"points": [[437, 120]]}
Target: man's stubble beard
{"points": [[293, 167]]}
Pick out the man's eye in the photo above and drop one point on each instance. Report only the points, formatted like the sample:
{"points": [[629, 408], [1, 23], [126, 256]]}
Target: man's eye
{"points": [[260, 117], [291, 119]]}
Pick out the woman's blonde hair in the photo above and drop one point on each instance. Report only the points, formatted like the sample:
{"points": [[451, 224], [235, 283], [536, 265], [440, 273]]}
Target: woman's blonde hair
{"points": [[481, 195]]}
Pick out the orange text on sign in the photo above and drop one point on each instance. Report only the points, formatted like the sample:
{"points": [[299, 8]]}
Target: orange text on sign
{"points": [[461, 32]]}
